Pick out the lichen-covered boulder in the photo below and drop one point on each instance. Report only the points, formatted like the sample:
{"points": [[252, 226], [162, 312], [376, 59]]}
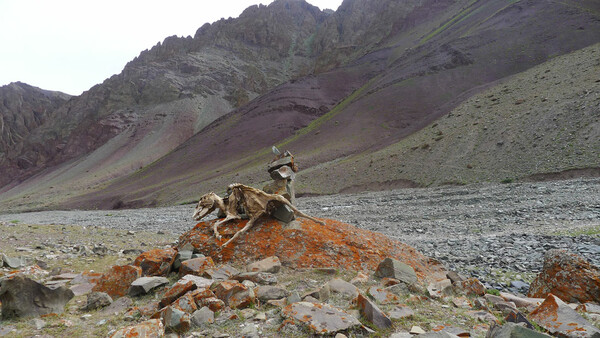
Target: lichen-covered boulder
{"points": [[117, 280], [569, 277], [559, 319], [156, 262], [304, 244]]}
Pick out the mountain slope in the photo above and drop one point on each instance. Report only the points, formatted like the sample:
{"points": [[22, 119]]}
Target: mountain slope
{"points": [[407, 90], [23, 108], [172, 91], [377, 73]]}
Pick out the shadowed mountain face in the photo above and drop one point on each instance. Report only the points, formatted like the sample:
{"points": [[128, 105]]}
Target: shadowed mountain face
{"points": [[23, 109], [204, 111]]}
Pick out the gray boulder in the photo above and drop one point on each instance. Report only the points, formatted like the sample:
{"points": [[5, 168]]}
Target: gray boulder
{"points": [[24, 297], [513, 330], [202, 317], [373, 313], [12, 262], [266, 292], [144, 285], [97, 300], [393, 268]]}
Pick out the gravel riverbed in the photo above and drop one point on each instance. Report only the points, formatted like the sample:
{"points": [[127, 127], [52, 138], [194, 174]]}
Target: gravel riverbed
{"points": [[496, 232]]}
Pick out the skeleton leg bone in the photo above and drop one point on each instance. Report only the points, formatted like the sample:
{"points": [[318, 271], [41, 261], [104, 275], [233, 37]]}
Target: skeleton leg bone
{"points": [[225, 220], [244, 229]]}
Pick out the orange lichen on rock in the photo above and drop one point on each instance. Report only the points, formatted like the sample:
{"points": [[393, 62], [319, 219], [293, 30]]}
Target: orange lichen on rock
{"points": [[156, 262], [567, 276], [307, 244], [117, 280], [177, 290], [149, 328]]}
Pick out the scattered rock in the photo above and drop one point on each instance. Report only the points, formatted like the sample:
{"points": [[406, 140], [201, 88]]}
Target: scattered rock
{"points": [[263, 278], [196, 266], [117, 280], [519, 318], [13, 262], [144, 285], [175, 319], [97, 300], [560, 319], [373, 313], [440, 288], [234, 294], [400, 312], [470, 286], [200, 282], [156, 262], [266, 292], [202, 317], [24, 297], [185, 303], [224, 272], [38, 323], [513, 330], [338, 285], [393, 268], [149, 328], [320, 318], [382, 296], [567, 276], [417, 330], [118, 305], [269, 264], [177, 290], [360, 278]]}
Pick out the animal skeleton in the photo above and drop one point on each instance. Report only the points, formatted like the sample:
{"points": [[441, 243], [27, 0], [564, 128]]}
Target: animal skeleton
{"points": [[255, 202]]}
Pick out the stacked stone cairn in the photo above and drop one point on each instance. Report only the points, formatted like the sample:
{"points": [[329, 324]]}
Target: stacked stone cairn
{"points": [[283, 172]]}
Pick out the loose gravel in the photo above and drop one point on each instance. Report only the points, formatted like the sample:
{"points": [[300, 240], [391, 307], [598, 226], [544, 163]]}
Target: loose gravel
{"points": [[496, 232]]}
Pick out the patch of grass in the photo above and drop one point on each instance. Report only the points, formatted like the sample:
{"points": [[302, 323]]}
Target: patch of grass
{"points": [[492, 292], [15, 221], [592, 230], [507, 180]]}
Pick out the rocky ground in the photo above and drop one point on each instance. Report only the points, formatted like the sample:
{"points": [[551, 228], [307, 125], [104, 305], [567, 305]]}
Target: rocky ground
{"points": [[496, 232]]}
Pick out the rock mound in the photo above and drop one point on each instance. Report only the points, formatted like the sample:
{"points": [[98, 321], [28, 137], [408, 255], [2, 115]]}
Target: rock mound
{"points": [[307, 244]]}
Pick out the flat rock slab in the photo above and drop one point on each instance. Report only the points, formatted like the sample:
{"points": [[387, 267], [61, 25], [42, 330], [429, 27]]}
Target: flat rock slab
{"points": [[559, 319], [307, 244], [320, 318], [24, 297], [144, 285], [393, 268]]}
